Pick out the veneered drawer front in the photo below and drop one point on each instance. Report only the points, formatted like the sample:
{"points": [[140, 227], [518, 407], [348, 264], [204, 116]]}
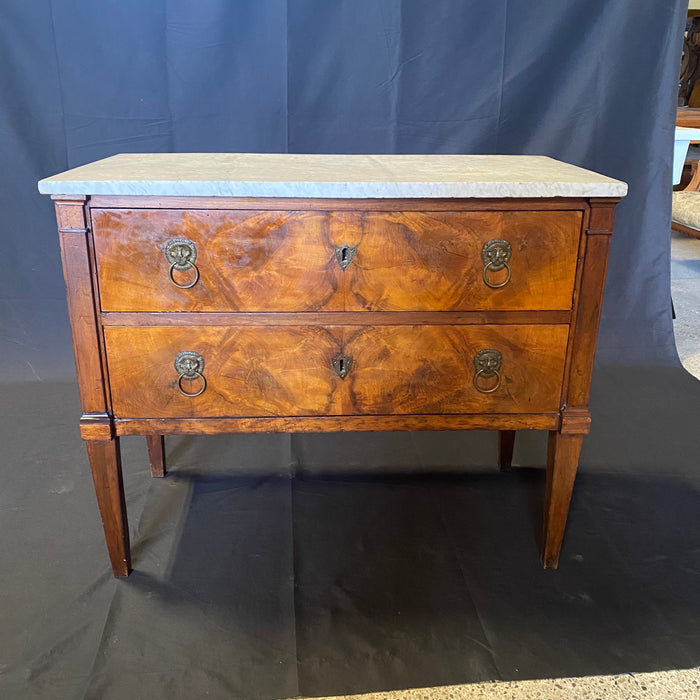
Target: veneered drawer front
{"points": [[258, 261], [289, 371], [249, 371], [431, 369], [432, 261], [246, 261]]}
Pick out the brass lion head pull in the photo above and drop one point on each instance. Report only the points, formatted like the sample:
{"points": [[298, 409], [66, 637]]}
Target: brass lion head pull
{"points": [[181, 254], [487, 364], [190, 365], [495, 255]]}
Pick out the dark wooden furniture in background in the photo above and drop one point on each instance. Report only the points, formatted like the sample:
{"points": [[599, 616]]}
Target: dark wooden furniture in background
{"points": [[690, 178], [685, 206], [198, 315], [688, 116], [688, 93]]}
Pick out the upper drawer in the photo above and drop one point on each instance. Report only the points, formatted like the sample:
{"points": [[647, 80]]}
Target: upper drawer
{"points": [[245, 260], [259, 261], [461, 261]]}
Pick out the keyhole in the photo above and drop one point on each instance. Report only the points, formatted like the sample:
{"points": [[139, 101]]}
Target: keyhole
{"points": [[344, 255], [341, 365]]}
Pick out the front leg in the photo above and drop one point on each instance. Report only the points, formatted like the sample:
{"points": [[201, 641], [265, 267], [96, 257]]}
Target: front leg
{"points": [[105, 462], [563, 451]]}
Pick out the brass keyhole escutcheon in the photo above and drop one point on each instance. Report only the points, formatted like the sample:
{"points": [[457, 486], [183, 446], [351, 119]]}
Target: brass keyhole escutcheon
{"points": [[342, 364], [344, 255], [181, 254], [496, 255], [487, 364]]}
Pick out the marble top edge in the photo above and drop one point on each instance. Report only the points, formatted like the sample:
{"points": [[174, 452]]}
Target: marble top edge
{"points": [[331, 190], [331, 176]]}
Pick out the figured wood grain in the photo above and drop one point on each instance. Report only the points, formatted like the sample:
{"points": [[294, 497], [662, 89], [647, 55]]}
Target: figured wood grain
{"points": [[336, 424], [249, 371], [431, 261], [430, 369], [285, 261], [247, 261], [287, 371]]}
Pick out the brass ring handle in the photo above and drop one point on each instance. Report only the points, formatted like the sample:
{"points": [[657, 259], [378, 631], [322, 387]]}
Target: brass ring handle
{"points": [[485, 373], [491, 266], [487, 363], [181, 253], [190, 365], [495, 255], [184, 266], [195, 375]]}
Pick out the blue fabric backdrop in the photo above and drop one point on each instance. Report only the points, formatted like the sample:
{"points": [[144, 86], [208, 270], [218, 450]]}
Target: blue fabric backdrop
{"points": [[390, 559], [591, 82]]}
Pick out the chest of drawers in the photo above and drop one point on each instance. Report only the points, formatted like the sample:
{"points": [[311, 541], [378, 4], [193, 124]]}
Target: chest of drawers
{"points": [[238, 293]]}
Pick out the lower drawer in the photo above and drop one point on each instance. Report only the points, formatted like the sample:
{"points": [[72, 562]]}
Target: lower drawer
{"points": [[216, 371]]}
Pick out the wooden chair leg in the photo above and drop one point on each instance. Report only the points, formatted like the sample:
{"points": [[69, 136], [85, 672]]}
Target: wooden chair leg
{"points": [[694, 183], [562, 462], [106, 465], [506, 442], [156, 454]]}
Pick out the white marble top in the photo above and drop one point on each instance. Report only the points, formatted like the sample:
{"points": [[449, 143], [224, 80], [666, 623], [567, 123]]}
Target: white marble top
{"points": [[353, 176]]}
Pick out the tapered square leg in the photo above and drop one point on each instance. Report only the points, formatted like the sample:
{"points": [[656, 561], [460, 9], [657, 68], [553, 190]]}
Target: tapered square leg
{"points": [[506, 442], [156, 454], [562, 462], [105, 462]]}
